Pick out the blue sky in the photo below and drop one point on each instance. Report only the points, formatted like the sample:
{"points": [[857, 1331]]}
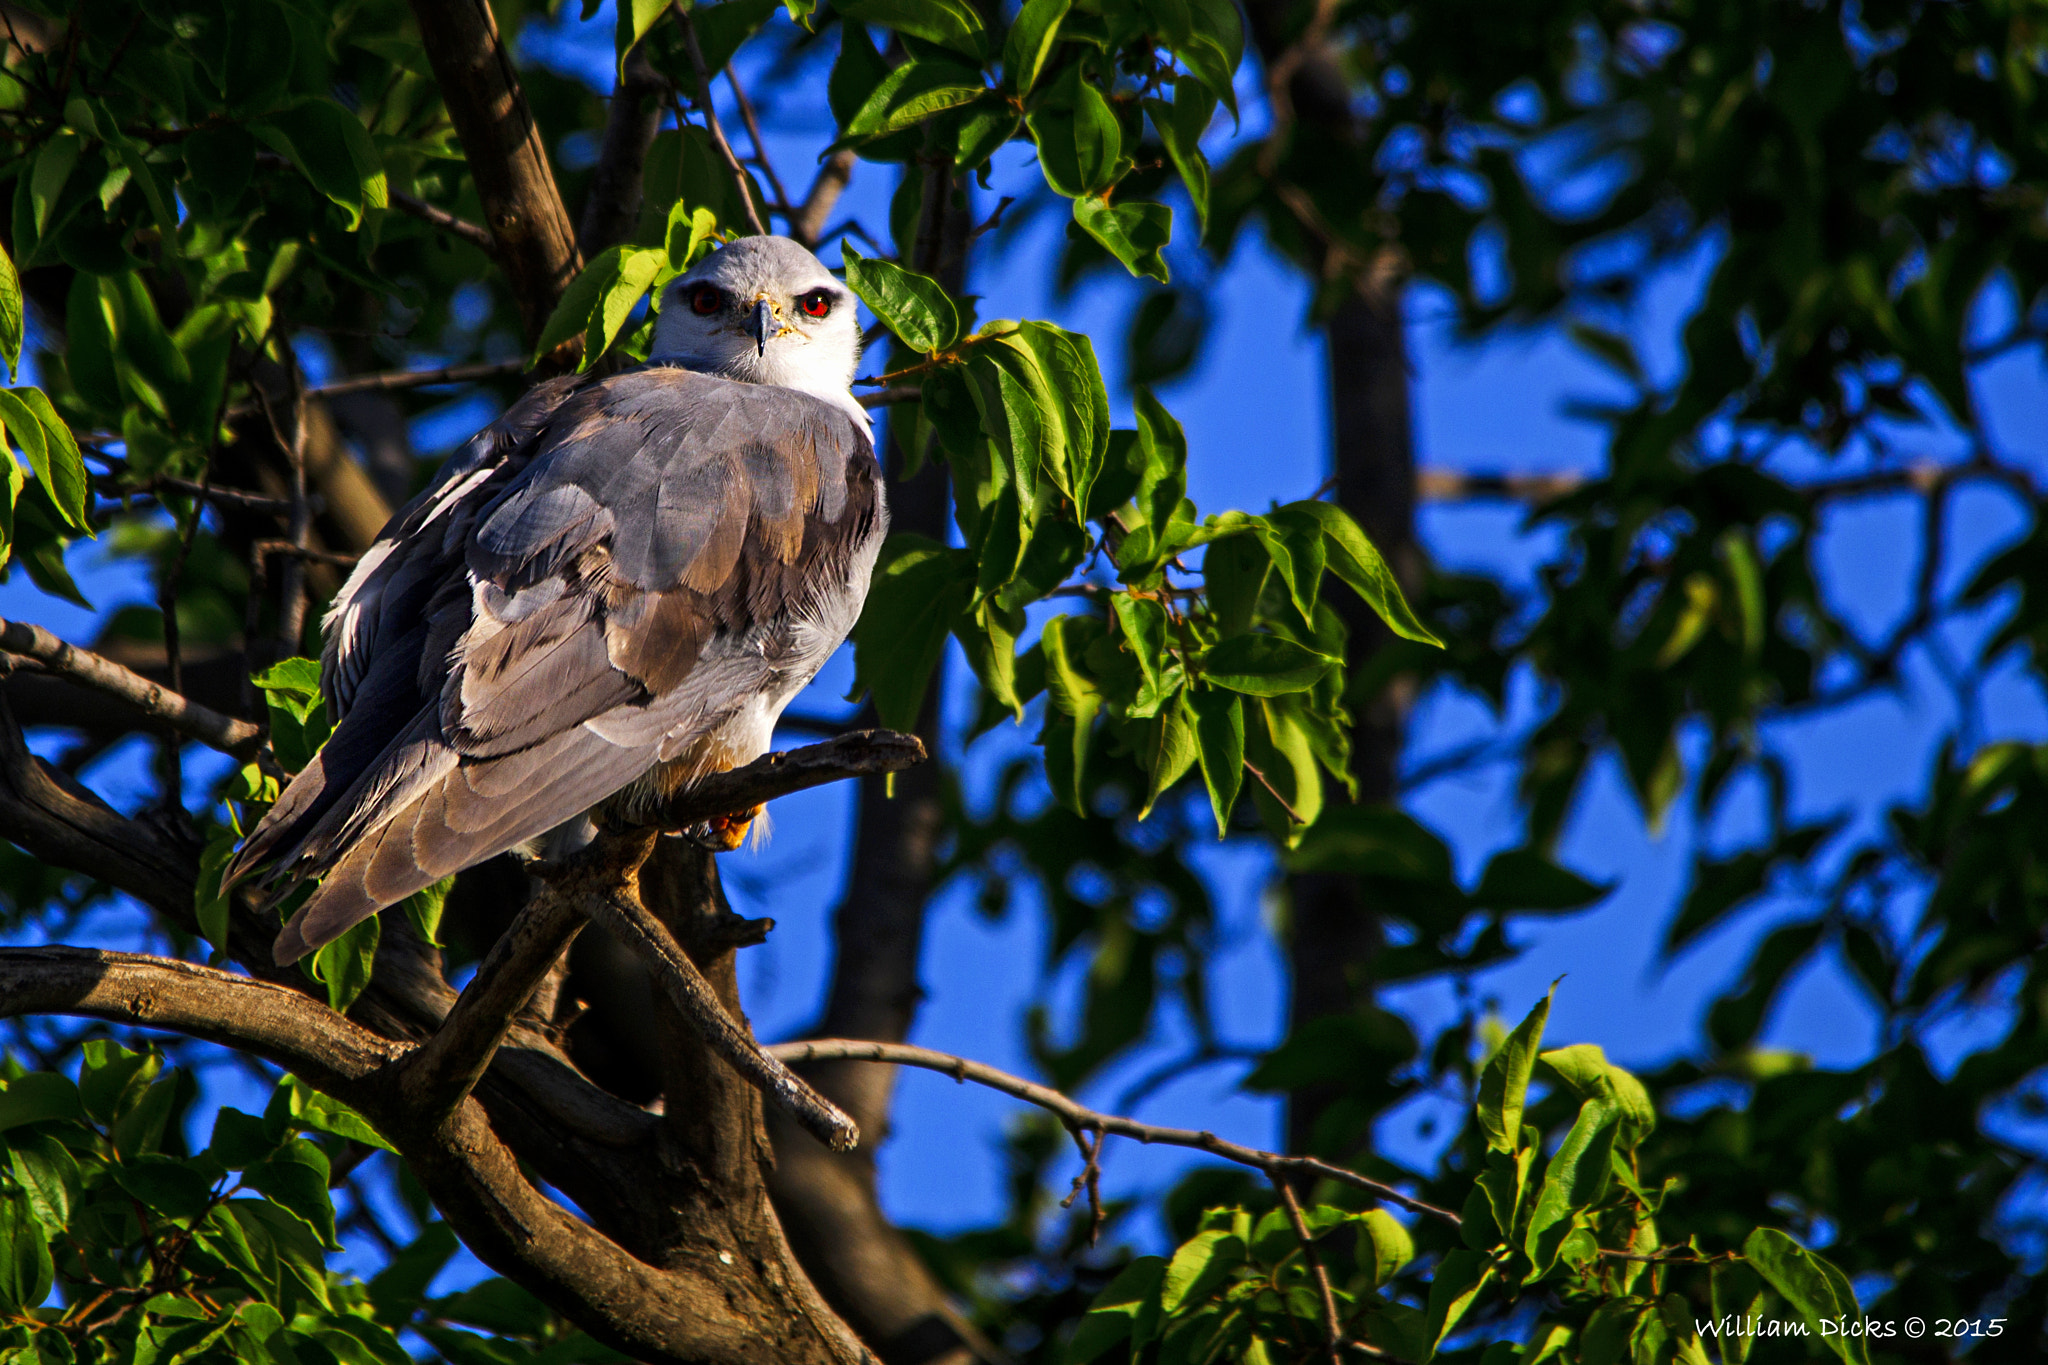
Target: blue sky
{"points": [[1255, 415]]}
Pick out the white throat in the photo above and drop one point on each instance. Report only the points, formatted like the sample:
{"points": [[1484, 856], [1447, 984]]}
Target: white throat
{"points": [[787, 363]]}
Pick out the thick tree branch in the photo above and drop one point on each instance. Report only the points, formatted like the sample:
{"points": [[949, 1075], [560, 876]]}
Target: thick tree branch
{"points": [[1079, 1118], [536, 243], [87, 669], [807, 224], [617, 182], [726, 1297]]}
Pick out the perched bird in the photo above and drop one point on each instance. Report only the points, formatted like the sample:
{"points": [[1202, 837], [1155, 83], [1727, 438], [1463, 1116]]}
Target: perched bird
{"points": [[609, 592]]}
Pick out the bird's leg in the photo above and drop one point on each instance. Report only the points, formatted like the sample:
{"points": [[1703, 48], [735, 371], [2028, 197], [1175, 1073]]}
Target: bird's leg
{"points": [[722, 833]]}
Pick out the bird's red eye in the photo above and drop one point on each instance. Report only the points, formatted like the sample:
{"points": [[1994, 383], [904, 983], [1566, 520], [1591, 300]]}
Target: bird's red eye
{"points": [[705, 300], [816, 304]]}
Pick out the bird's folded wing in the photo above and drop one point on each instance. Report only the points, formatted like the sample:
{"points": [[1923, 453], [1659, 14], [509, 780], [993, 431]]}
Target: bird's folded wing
{"points": [[547, 617]]}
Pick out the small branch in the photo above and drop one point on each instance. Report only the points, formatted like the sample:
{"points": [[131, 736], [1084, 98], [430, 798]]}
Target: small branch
{"points": [[862, 753], [1332, 1323], [435, 1080], [882, 398], [413, 379], [81, 666], [626, 919], [807, 224], [475, 234], [704, 103], [237, 498], [307, 554], [1079, 1117], [739, 93]]}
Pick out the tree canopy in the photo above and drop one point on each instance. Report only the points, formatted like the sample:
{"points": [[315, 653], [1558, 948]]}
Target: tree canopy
{"points": [[260, 250]]}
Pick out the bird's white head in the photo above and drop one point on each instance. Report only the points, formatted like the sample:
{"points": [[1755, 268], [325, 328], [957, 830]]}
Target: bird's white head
{"points": [[766, 311]]}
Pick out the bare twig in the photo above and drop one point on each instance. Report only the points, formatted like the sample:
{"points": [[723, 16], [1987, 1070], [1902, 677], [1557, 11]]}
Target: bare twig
{"points": [[474, 233], [705, 105], [882, 398], [284, 549], [1333, 1324], [238, 498], [761, 159], [1090, 1180], [187, 717], [626, 919], [412, 379], [1077, 1116]]}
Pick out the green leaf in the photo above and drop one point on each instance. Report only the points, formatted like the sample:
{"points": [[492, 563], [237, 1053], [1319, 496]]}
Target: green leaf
{"points": [[1574, 1181], [38, 1097], [344, 965], [63, 471], [1171, 750], [579, 302], [240, 1138], [1135, 232], [1357, 561], [1263, 665], [912, 93], [1181, 126], [399, 1288], [634, 19], [1735, 1291], [913, 306], [26, 1271], [112, 1078], [1585, 1069], [1030, 42], [690, 235], [211, 906], [52, 171], [1459, 1278], [497, 1305], [920, 587], [953, 24], [322, 1113], [1523, 879], [1384, 1245], [1114, 1314], [48, 1175], [11, 332], [295, 1178], [333, 150], [1098, 141], [292, 684], [165, 1184], [423, 910], [1219, 740], [1199, 1266], [637, 271], [1504, 1084], [1814, 1288]]}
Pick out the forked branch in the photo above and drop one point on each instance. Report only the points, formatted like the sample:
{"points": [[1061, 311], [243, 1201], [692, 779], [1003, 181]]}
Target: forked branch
{"points": [[601, 883]]}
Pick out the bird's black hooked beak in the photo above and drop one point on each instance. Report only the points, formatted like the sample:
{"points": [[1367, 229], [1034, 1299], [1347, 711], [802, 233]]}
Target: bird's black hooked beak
{"points": [[764, 323]]}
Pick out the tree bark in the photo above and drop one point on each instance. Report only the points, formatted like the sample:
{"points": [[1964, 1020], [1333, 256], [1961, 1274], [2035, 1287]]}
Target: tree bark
{"points": [[522, 207], [864, 1265], [1335, 933]]}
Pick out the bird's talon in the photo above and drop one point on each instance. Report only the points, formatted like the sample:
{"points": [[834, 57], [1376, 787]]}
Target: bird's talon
{"points": [[722, 833]]}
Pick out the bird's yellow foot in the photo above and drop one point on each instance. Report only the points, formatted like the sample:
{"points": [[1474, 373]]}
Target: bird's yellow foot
{"points": [[722, 833]]}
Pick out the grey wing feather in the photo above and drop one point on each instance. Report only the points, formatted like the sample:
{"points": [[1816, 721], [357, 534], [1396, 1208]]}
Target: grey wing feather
{"points": [[606, 574]]}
